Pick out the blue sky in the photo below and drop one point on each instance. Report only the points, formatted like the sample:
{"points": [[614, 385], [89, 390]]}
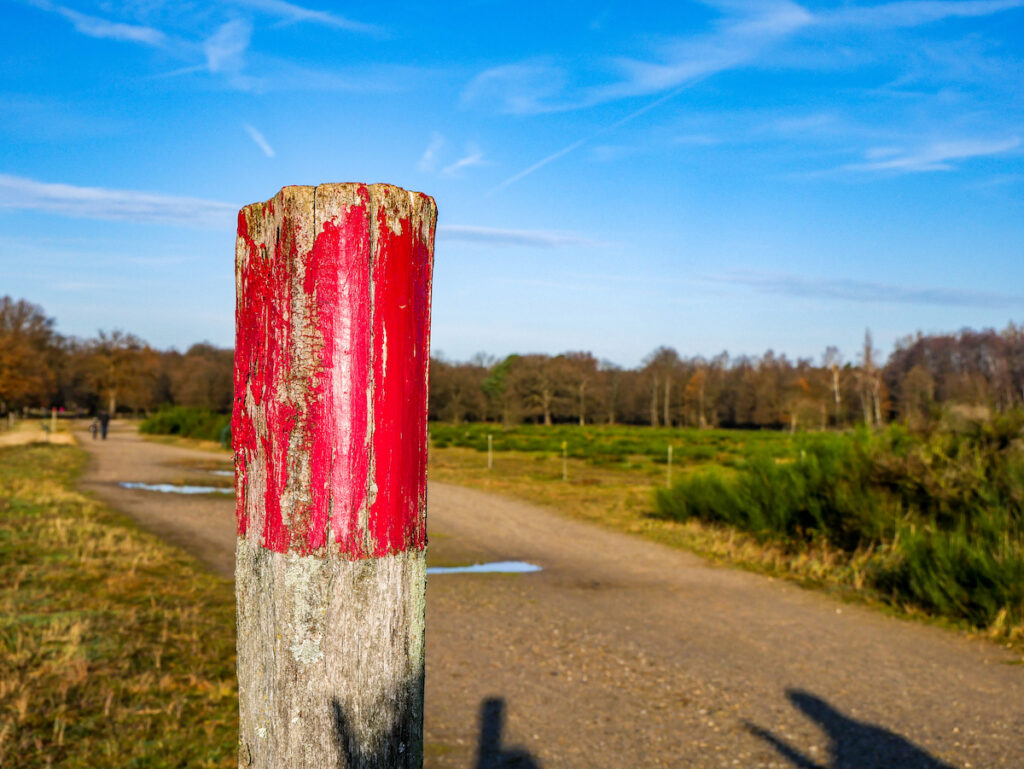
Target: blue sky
{"points": [[719, 175]]}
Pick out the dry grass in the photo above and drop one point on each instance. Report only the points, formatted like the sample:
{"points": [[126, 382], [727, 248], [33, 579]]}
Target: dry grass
{"points": [[188, 443], [115, 648]]}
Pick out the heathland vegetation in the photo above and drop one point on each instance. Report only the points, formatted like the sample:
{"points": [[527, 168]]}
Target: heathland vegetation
{"points": [[935, 521]]}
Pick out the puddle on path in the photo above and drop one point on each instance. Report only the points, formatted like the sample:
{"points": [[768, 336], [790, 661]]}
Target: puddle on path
{"points": [[498, 567], [171, 488]]}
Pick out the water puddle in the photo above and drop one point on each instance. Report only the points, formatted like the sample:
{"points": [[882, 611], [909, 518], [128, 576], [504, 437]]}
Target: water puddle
{"points": [[498, 567], [171, 488]]}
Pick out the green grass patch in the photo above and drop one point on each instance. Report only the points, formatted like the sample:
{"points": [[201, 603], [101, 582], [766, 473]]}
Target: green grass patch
{"points": [[116, 649], [615, 445]]}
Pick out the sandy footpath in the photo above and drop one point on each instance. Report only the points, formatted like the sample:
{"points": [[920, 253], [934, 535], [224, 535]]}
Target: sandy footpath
{"points": [[625, 653]]}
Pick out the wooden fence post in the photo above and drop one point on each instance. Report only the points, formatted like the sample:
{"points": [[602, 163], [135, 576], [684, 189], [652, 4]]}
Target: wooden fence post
{"points": [[330, 437]]}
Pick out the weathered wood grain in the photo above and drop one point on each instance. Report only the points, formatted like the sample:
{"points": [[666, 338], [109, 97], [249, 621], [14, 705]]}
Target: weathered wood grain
{"points": [[329, 429]]}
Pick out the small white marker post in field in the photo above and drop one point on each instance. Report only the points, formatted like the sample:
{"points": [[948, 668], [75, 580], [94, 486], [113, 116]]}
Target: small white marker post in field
{"points": [[668, 469], [490, 452]]}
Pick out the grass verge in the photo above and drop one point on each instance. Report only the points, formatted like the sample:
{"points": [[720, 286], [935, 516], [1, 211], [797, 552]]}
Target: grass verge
{"points": [[116, 649]]}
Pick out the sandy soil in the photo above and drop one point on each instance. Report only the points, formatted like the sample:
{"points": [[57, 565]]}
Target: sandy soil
{"points": [[625, 653]]}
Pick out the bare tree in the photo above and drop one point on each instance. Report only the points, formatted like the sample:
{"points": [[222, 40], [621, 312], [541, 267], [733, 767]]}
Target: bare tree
{"points": [[870, 382], [833, 361]]}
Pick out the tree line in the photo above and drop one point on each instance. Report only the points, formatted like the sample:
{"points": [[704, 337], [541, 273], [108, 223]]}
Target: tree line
{"points": [[113, 371], [968, 372]]}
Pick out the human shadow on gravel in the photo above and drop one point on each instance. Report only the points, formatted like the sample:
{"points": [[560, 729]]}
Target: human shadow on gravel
{"points": [[855, 744], [490, 753]]}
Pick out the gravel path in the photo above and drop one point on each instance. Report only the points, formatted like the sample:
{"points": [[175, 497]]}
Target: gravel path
{"points": [[624, 653]]}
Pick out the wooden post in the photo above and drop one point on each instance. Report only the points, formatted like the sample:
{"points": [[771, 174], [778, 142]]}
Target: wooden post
{"points": [[490, 451], [53, 420], [330, 437], [668, 469], [565, 461]]}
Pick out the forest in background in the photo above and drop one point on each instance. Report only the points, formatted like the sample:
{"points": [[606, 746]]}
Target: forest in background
{"points": [[968, 373]]}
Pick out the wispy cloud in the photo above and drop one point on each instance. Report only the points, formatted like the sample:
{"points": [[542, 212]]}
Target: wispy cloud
{"points": [[292, 13], [737, 39], [743, 32], [225, 52], [522, 88], [428, 161], [866, 291], [121, 205], [260, 139], [17, 192], [937, 156], [501, 237], [94, 26], [744, 35], [474, 157], [225, 49], [915, 13]]}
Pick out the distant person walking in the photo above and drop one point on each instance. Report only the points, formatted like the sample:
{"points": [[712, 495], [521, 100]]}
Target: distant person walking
{"points": [[104, 418], [94, 427]]}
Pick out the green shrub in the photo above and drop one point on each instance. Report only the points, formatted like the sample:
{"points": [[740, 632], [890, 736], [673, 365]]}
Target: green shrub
{"points": [[943, 512], [188, 423]]}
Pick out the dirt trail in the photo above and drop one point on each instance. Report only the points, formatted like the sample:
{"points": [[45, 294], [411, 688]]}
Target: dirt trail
{"points": [[624, 653]]}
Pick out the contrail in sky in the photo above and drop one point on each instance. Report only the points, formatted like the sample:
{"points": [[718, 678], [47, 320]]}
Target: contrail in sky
{"points": [[580, 142]]}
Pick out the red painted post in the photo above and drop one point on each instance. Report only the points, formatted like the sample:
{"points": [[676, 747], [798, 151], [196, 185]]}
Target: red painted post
{"points": [[329, 431]]}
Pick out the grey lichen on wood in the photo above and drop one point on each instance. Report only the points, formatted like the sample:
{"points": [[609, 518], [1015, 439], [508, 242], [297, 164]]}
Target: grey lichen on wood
{"points": [[330, 660]]}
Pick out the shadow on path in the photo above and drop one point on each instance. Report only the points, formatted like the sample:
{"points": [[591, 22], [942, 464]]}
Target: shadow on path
{"points": [[490, 753], [854, 744]]}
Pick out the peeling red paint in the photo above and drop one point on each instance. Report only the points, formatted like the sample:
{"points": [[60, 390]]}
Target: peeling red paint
{"points": [[364, 319], [262, 367], [337, 282], [401, 280]]}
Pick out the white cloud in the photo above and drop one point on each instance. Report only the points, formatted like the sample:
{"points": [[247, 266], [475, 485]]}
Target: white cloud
{"points": [[93, 26], [260, 139], [473, 157], [17, 192], [937, 156], [527, 87], [296, 13], [225, 49], [915, 13], [865, 291], [428, 161], [494, 236], [744, 34], [739, 38]]}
